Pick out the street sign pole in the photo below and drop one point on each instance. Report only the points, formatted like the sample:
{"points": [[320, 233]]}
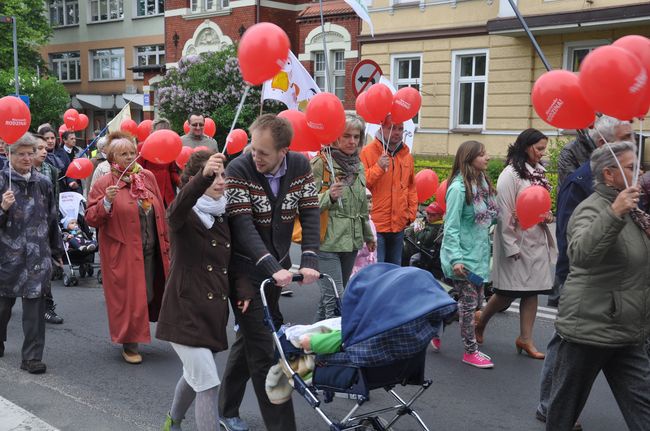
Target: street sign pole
{"points": [[13, 19]]}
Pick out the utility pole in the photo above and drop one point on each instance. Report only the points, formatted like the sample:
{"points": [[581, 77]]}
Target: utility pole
{"points": [[6, 20]]}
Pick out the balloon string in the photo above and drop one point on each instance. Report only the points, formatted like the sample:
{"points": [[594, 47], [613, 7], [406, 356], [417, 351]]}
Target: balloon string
{"points": [[10, 167], [330, 163], [234, 121], [637, 167], [609, 147], [127, 169]]}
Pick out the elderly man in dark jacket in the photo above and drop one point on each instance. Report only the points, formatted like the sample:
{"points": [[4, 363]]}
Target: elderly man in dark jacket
{"points": [[28, 240]]}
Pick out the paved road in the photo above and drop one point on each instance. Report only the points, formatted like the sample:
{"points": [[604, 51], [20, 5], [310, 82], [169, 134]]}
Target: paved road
{"points": [[89, 387]]}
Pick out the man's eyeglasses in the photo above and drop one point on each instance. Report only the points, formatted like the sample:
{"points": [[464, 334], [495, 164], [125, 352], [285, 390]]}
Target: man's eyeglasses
{"points": [[197, 124]]}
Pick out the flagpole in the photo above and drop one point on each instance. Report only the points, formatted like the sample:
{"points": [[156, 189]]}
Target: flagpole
{"points": [[325, 52]]}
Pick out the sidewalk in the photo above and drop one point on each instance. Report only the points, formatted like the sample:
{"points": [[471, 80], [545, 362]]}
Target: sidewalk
{"points": [[15, 418]]}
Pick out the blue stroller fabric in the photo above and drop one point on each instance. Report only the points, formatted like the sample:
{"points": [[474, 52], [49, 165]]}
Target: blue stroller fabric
{"points": [[390, 313]]}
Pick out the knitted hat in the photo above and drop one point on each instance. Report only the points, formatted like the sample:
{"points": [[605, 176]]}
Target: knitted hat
{"points": [[435, 209]]}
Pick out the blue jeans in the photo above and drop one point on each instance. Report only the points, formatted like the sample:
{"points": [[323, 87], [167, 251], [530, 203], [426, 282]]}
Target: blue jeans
{"points": [[390, 246], [547, 374]]}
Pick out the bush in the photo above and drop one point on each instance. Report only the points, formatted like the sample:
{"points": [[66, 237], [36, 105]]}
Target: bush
{"points": [[212, 84], [48, 98]]}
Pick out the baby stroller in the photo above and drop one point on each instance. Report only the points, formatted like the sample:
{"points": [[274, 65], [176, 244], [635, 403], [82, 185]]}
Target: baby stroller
{"points": [[71, 207], [389, 315]]}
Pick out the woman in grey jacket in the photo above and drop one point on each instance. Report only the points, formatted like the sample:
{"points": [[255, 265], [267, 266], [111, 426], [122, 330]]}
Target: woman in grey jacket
{"points": [[604, 313]]}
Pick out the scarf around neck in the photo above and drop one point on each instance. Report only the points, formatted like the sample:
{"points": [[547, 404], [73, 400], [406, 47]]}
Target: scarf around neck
{"points": [[207, 208], [349, 165], [537, 177], [135, 177], [485, 203]]}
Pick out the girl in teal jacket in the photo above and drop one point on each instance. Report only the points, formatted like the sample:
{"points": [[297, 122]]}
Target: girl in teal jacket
{"points": [[465, 253]]}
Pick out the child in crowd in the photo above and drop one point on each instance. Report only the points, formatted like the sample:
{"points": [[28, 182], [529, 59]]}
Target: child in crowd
{"points": [[426, 236], [75, 238]]}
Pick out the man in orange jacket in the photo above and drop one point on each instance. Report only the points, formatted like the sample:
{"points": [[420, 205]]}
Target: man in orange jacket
{"points": [[390, 178]]}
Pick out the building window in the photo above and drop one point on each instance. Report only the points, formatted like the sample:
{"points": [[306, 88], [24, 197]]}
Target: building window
{"points": [[108, 63], [408, 73], [198, 6], [66, 66], [469, 85], [63, 12], [337, 72], [106, 10], [575, 52], [148, 55], [150, 7]]}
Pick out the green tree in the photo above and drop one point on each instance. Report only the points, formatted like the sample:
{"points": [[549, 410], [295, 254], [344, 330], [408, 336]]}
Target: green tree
{"points": [[33, 31], [48, 97], [212, 84]]}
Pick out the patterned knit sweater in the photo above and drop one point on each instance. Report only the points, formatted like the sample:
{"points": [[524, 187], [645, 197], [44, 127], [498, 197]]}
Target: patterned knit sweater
{"points": [[262, 224]]}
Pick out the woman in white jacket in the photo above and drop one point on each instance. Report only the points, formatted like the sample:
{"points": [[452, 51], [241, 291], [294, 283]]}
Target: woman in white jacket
{"points": [[522, 258]]}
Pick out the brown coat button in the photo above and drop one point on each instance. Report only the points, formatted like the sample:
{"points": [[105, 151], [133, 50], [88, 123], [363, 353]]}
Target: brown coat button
{"points": [[224, 297], [210, 295], [213, 242], [209, 267], [225, 270], [227, 245]]}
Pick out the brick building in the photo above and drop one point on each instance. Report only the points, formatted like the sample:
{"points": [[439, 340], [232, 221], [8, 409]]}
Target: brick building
{"points": [[197, 26]]}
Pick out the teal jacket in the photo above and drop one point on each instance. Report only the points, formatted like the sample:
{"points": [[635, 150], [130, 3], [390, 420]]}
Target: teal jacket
{"points": [[348, 226], [464, 241]]}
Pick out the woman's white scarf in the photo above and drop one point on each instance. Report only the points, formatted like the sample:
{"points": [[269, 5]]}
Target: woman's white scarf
{"points": [[208, 208]]}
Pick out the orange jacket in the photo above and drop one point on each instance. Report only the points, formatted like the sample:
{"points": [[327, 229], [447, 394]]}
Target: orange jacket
{"points": [[394, 198]]}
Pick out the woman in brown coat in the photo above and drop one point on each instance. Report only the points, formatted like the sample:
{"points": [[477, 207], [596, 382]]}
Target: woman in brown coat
{"points": [[194, 312]]}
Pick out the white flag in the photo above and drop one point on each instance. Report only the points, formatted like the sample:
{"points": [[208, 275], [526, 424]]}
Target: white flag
{"points": [[361, 10], [409, 126], [293, 85], [116, 122]]}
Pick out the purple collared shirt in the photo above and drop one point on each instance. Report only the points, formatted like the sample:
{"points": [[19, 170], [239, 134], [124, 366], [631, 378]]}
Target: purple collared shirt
{"points": [[274, 179]]}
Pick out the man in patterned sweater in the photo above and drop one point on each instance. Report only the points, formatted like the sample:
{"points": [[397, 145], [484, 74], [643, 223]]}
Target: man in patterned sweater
{"points": [[266, 189]]}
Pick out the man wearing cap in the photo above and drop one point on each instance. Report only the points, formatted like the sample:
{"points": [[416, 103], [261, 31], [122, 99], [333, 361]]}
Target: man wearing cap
{"points": [[390, 177]]}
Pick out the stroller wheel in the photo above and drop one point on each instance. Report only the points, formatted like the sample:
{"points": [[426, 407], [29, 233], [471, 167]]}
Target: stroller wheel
{"points": [[66, 280], [74, 281], [376, 423]]}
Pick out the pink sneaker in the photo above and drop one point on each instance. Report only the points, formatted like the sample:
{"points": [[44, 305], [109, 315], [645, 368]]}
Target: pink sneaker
{"points": [[435, 344], [478, 360]]}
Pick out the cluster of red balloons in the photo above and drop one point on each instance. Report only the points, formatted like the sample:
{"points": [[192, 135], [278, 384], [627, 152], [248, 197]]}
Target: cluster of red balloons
{"points": [[209, 129], [15, 119], [426, 184], [532, 206], [613, 80], [379, 101], [73, 120], [263, 50]]}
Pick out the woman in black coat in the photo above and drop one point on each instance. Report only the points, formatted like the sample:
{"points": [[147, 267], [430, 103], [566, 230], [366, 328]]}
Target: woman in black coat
{"points": [[194, 311]]}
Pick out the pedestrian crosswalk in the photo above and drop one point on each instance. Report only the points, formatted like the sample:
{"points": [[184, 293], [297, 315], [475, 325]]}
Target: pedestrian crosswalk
{"points": [[15, 418], [542, 312]]}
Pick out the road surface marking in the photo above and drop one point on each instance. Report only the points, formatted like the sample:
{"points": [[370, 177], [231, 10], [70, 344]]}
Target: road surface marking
{"points": [[15, 418]]}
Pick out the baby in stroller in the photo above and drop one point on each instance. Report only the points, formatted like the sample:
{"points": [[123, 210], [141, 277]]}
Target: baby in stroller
{"points": [[74, 238]]}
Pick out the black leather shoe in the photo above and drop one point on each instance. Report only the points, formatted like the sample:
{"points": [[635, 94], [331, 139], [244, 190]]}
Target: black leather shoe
{"points": [[52, 317], [33, 366], [2, 349]]}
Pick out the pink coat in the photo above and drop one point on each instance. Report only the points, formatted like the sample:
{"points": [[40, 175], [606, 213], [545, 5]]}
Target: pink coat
{"points": [[122, 262]]}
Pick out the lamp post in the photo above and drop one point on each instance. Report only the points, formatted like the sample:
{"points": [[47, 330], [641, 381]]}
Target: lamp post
{"points": [[6, 20]]}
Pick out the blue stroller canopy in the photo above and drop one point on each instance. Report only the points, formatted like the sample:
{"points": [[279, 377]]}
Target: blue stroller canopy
{"points": [[384, 296]]}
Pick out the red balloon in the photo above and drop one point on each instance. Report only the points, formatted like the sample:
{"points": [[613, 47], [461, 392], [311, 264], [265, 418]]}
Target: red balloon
{"points": [[186, 127], [162, 146], [426, 184], [201, 148], [236, 141], [532, 206], [80, 168], [441, 195], [406, 104], [362, 110], [144, 130], [61, 130], [210, 127], [82, 122], [263, 51], [71, 118], [558, 100], [303, 137], [379, 101], [184, 156], [613, 82], [129, 126], [14, 119], [639, 46], [326, 117]]}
